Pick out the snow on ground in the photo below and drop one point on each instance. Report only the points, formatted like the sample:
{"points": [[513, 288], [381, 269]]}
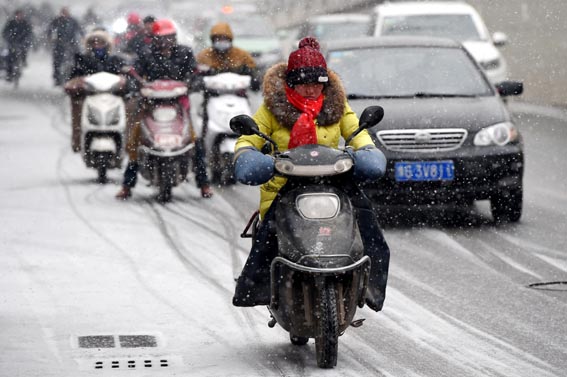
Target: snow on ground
{"points": [[75, 263]]}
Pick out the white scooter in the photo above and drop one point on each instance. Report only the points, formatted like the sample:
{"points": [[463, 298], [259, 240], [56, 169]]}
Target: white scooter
{"points": [[224, 97], [103, 122]]}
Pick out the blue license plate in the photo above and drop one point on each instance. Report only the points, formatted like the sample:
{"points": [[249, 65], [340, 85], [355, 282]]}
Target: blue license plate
{"points": [[424, 171]]}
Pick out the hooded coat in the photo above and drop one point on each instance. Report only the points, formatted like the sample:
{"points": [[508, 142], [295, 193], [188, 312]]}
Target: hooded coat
{"points": [[276, 117], [234, 60]]}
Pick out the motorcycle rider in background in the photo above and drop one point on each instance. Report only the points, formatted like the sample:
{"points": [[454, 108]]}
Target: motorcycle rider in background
{"points": [[66, 33], [96, 58], [143, 40], [18, 34], [166, 59], [222, 56], [305, 103], [133, 28]]}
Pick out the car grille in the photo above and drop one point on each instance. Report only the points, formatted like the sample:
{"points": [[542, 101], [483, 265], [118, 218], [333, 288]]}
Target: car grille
{"points": [[422, 140]]}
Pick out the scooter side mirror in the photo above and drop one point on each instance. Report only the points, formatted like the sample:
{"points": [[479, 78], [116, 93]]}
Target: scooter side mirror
{"points": [[244, 125], [370, 117]]}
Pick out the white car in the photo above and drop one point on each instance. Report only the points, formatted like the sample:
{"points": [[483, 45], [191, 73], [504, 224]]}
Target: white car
{"points": [[448, 19]]}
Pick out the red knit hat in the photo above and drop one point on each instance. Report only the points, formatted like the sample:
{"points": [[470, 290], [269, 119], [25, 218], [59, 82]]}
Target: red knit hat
{"points": [[306, 65]]}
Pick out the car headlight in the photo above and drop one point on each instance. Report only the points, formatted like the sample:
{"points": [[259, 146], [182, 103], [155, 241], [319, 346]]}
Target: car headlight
{"points": [[499, 134], [318, 206], [490, 64], [94, 116]]}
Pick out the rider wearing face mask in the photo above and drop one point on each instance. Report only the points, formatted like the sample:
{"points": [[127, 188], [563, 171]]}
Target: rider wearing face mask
{"points": [[166, 59], [222, 56], [96, 58], [305, 103]]}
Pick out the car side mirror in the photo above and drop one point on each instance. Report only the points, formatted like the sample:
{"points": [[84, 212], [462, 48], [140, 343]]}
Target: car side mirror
{"points": [[499, 39], [510, 88], [244, 125]]}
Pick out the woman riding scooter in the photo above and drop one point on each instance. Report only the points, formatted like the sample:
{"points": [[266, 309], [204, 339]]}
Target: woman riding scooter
{"points": [[305, 103]]}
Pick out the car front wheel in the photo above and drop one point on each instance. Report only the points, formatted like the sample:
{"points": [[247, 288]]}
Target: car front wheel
{"points": [[506, 206]]}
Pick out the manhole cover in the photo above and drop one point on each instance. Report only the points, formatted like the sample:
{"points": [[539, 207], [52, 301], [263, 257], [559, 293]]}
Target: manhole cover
{"points": [[96, 341], [135, 341], [117, 341]]}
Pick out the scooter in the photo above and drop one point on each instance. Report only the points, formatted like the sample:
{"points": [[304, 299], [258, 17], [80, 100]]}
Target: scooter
{"points": [[168, 138], [321, 273], [225, 96], [103, 122]]}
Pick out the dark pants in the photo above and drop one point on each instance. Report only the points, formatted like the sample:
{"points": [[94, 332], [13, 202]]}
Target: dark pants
{"points": [[14, 61], [253, 285], [61, 53], [58, 56]]}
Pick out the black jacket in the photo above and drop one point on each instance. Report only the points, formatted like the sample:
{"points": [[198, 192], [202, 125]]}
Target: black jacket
{"points": [[139, 44], [88, 64], [179, 66], [18, 33], [65, 30]]}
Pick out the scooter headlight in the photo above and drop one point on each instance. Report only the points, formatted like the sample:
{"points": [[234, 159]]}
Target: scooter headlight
{"points": [[499, 134], [94, 116], [113, 116], [318, 206], [165, 114]]}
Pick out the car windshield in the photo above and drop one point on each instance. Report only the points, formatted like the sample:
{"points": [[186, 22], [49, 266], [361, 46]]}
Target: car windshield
{"points": [[408, 72], [252, 27], [330, 31], [456, 26]]}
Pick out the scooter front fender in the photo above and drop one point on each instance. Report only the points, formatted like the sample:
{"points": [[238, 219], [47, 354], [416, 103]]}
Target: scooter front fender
{"points": [[294, 302]]}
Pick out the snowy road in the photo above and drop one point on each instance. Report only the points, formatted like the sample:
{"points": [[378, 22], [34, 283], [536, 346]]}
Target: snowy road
{"points": [[94, 287]]}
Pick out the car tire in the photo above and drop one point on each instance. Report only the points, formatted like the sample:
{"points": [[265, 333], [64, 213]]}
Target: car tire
{"points": [[506, 206]]}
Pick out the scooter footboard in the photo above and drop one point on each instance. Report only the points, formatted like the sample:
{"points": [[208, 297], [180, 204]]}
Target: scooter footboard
{"points": [[296, 293]]}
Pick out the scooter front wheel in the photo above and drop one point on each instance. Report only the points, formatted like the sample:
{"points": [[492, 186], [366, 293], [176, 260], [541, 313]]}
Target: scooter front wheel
{"points": [[327, 339], [165, 184], [101, 170], [298, 340]]}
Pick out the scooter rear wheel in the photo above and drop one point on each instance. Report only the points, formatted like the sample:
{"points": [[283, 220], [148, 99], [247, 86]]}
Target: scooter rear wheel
{"points": [[327, 339]]}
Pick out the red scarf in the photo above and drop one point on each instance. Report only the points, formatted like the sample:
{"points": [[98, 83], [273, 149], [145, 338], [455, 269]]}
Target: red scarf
{"points": [[303, 131]]}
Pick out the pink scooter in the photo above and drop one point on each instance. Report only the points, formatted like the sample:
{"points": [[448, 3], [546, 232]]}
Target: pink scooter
{"points": [[167, 135]]}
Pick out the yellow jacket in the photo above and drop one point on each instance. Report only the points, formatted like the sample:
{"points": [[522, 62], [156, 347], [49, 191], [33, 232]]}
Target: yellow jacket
{"points": [[276, 116]]}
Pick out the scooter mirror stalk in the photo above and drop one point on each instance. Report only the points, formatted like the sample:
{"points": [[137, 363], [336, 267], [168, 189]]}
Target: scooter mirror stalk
{"points": [[370, 117]]}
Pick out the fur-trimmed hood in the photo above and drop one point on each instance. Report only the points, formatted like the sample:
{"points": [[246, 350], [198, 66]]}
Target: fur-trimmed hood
{"points": [[286, 114]]}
